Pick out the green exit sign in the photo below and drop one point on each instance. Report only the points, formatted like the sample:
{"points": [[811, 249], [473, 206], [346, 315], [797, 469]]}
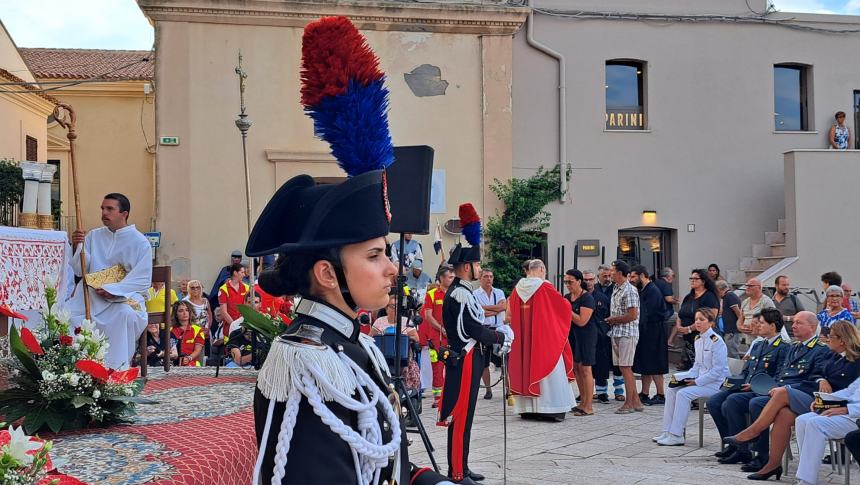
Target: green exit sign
{"points": [[168, 140]]}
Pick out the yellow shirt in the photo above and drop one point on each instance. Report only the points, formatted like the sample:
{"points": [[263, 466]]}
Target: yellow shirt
{"points": [[155, 303]]}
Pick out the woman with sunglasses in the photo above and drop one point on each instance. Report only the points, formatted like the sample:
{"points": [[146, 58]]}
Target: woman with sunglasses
{"points": [[703, 294]]}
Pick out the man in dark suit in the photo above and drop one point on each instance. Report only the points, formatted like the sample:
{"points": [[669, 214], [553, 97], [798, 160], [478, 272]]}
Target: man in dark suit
{"points": [[806, 356], [728, 407]]}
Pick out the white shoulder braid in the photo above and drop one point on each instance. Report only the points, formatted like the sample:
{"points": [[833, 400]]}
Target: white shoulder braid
{"points": [[376, 356], [293, 371], [288, 360], [467, 300]]}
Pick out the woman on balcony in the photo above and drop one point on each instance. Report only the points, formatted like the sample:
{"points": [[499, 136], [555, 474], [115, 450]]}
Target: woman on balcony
{"points": [[840, 133]]}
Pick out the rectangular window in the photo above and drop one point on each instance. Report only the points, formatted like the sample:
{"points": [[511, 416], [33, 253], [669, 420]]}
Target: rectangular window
{"points": [[32, 149], [791, 97], [625, 95]]}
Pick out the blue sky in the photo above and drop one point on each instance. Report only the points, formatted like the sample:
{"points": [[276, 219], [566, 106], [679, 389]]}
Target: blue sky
{"points": [[119, 24]]}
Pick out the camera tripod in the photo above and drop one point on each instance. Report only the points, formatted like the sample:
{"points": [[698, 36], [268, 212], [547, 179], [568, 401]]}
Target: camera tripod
{"points": [[396, 376]]}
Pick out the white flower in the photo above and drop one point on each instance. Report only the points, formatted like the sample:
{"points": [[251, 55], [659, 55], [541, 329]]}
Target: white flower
{"points": [[50, 281], [87, 326], [19, 444], [48, 375], [74, 379], [76, 345], [63, 315], [96, 394]]}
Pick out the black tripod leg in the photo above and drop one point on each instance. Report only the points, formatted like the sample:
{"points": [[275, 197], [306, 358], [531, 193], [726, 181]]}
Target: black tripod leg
{"points": [[413, 415]]}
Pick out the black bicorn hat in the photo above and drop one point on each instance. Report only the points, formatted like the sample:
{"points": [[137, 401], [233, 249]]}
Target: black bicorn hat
{"points": [[470, 223], [304, 215], [343, 92]]}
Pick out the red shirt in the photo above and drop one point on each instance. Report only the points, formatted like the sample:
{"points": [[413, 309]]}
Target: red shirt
{"points": [[190, 338], [433, 301], [227, 294]]}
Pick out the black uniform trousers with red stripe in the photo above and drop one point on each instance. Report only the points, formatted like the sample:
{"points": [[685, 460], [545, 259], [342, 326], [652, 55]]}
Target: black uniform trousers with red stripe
{"points": [[462, 379]]}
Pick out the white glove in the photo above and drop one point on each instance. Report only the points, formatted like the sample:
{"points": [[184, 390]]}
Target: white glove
{"points": [[505, 348], [508, 332]]}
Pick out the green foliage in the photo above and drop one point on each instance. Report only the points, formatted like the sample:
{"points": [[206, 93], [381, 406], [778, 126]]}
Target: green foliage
{"points": [[11, 182], [513, 232], [11, 190]]}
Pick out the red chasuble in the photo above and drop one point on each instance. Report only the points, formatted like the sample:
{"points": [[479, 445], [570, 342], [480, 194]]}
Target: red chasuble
{"points": [[541, 326]]}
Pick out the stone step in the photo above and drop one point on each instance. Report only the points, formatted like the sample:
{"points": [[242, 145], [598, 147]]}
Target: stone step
{"points": [[759, 264], [780, 224], [761, 251], [752, 274], [772, 237], [776, 250]]}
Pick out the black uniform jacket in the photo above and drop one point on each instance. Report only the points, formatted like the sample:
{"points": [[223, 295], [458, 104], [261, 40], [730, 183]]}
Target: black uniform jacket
{"points": [[803, 360], [452, 306], [317, 454], [837, 370], [765, 357]]}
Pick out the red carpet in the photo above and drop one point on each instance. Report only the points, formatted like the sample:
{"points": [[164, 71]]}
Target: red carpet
{"points": [[201, 431]]}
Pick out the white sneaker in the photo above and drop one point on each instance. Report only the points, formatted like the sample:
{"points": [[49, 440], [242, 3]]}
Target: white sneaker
{"points": [[671, 440], [662, 436]]}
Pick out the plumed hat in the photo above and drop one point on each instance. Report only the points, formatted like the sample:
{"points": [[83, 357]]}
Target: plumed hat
{"points": [[470, 225], [343, 92]]}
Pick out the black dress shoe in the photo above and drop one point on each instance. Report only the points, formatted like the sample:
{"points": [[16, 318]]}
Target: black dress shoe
{"points": [[765, 476], [602, 397], [644, 399], [657, 400], [726, 452], [474, 476], [754, 465], [738, 456], [731, 440]]}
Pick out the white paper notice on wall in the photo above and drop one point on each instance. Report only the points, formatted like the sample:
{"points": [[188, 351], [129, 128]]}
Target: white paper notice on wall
{"points": [[437, 192]]}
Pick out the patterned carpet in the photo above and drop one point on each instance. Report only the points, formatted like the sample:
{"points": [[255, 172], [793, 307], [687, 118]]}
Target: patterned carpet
{"points": [[201, 431]]}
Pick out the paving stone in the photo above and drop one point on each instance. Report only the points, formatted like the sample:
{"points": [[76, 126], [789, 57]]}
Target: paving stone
{"points": [[606, 448]]}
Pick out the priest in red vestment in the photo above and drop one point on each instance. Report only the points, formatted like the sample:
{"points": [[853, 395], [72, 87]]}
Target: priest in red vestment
{"points": [[540, 363]]}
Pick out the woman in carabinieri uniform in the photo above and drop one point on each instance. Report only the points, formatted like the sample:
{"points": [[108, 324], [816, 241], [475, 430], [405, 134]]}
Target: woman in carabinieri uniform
{"points": [[324, 409]]}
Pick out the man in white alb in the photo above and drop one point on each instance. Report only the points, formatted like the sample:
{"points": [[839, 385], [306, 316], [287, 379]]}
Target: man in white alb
{"points": [[119, 272]]}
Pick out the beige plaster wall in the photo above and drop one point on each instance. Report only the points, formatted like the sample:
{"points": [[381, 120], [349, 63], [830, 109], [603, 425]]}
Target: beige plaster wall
{"points": [[815, 224], [113, 150], [199, 101], [23, 115], [710, 157]]}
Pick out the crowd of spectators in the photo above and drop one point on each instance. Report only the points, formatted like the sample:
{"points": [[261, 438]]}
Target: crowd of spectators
{"points": [[625, 322]]}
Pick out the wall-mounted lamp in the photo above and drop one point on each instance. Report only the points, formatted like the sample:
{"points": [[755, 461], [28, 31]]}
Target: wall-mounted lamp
{"points": [[649, 217]]}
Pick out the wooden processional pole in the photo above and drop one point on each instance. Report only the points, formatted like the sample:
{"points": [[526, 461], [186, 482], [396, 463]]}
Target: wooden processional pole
{"points": [[65, 117]]}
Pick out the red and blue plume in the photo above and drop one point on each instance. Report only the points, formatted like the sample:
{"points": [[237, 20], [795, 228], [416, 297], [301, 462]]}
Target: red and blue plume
{"points": [[470, 224], [343, 91]]}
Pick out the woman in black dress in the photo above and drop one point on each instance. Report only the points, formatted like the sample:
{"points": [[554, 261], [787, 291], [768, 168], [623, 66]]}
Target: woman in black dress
{"points": [[582, 338], [703, 293]]}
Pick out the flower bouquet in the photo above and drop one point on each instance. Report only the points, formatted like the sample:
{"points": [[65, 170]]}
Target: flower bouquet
{"points": [[24, 459], [58, 378]]}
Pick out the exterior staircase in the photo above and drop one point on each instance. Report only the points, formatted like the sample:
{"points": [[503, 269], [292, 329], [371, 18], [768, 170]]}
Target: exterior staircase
{"points": [[763, 256]]}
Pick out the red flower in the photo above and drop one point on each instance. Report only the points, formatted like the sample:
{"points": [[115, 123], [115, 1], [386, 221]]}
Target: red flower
{"points": [[93, 368], [65, 340], [6, 310], [77, 330], [104, 375], [30, 342], [125, 376]]}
